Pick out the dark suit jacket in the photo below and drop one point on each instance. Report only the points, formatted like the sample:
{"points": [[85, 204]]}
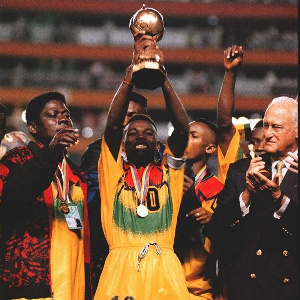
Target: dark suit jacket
{"points": [[257, 253]]}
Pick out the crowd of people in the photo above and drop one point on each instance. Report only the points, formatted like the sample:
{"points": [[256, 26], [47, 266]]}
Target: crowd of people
{"points": [[92, 28], [141, 219]]}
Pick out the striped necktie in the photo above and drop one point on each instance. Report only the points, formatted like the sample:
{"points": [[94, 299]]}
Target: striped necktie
{"points": [[279, 166]]}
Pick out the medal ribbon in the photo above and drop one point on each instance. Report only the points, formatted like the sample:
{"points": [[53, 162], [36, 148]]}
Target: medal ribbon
{"points": [[200, 175], [141, 187], [63, 190]]}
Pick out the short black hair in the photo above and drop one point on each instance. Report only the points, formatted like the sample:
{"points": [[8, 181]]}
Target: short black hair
{"points": [[141, 117], [36, 105], [212, 126], [138, 98]]}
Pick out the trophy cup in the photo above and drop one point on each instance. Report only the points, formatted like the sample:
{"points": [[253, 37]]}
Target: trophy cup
{"points": [[148, 74]]}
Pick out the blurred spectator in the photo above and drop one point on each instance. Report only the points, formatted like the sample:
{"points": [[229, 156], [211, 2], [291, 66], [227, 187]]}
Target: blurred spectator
{"points": [[12, 139], [197, 81], [20, 29]]}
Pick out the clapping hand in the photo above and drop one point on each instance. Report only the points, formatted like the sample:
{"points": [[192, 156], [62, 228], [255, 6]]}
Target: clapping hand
{"points": [[293, 160]]}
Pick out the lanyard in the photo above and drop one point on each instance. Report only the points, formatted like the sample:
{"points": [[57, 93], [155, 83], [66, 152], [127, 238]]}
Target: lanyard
{"points": [[63, 188], [141, 187], [200, 175]]}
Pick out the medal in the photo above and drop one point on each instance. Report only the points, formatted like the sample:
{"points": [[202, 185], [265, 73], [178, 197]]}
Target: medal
{"points": [[141, 189], [64, 208], [142, 211]]}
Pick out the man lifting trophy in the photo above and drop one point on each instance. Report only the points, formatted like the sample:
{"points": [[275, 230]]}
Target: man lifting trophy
{"points": [[148, 74]]}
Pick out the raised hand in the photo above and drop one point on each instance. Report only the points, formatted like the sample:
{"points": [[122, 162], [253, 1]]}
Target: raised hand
{"points": [[65, 138], [233, 58], [145, 48]]}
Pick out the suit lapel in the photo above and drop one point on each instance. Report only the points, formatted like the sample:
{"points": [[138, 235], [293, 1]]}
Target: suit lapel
{"points": [[289, 185]]}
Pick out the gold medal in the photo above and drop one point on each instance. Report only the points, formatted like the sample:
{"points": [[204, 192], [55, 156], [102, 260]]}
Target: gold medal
{"points": [[142, 211], [64, 208]]}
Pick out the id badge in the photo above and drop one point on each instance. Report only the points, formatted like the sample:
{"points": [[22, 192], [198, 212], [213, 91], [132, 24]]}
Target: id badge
{"points": [[73, 218]]}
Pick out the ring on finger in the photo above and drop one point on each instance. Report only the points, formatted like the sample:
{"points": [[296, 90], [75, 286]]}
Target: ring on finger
{"points": [[157, 58]]}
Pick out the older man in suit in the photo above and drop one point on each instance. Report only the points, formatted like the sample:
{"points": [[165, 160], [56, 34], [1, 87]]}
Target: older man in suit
{"points": [[254, 228]]}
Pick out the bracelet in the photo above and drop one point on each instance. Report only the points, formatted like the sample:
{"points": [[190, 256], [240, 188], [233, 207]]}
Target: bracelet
{"points": [[127, 82]]}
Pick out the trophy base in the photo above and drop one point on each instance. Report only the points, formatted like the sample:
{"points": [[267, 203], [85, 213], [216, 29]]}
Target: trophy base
{"points": [[148, 75]]}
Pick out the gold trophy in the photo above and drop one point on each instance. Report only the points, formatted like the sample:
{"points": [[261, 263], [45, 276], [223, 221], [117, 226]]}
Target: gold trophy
{"points": [[148, 74]]}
